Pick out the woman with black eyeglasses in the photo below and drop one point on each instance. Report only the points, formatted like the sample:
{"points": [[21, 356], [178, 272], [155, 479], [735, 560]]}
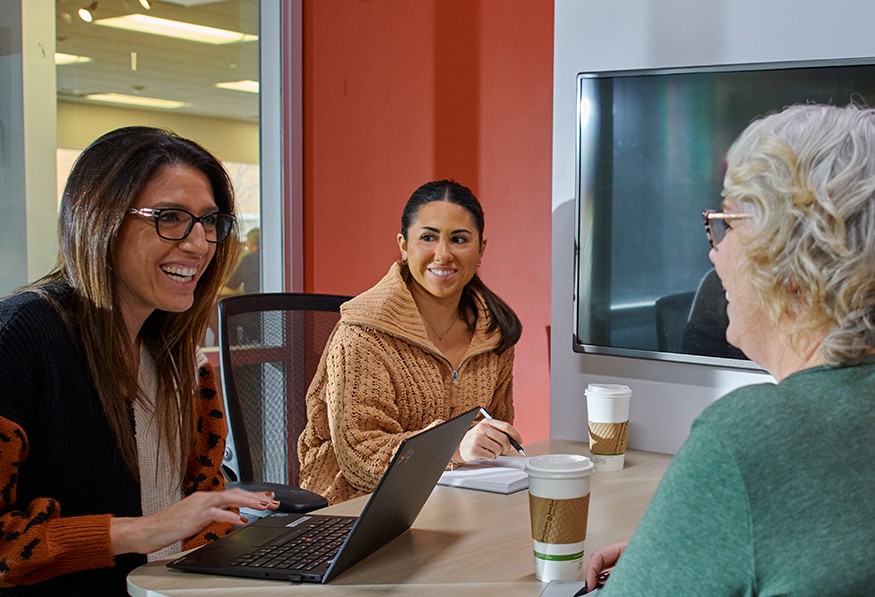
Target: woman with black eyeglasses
{"points": [[111, 429], [773, 493]]}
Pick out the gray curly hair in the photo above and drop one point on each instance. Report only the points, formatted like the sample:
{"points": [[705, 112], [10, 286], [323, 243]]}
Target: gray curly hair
{"points": [[807, 174]]}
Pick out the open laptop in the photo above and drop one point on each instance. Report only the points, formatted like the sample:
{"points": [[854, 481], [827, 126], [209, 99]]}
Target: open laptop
{"points": [[283, 545]]}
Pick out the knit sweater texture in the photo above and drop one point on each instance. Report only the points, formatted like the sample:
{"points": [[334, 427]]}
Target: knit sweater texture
{"points": [[772, 494], [381, 380], [61, 475]]}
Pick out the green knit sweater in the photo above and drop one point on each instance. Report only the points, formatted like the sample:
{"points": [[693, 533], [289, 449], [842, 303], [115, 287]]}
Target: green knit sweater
{"points": [[772, 494]]}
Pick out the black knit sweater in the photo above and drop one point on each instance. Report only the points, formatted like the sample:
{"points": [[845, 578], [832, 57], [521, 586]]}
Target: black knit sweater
{"points": [[60, 470]]}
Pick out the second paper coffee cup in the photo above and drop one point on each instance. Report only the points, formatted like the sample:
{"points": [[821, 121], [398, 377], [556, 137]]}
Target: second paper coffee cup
{"points": [[559, 508], [607, 408]]}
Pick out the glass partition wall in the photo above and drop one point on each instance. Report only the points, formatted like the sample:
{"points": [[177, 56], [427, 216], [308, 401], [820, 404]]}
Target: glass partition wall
{"points": [[191, 66]]}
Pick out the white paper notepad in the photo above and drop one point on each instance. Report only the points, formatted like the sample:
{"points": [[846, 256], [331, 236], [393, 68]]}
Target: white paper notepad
{"points": [[505, 474]]}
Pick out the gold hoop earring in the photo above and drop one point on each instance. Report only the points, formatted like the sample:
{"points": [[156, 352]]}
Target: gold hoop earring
{"points": [[404, 261]]}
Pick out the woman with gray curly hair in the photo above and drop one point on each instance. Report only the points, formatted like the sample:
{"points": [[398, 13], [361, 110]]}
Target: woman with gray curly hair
{"points": [[773, 493]]}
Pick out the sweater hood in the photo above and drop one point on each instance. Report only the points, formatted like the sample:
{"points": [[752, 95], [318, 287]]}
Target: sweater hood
{"points": [[389, 306]]}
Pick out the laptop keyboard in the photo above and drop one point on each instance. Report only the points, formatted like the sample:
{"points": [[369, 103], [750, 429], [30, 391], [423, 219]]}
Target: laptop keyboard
{"points": [[302, 551]]}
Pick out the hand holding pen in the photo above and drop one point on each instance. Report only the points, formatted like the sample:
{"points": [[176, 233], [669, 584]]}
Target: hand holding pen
{"points": [[602, 562], [488, 439], [513, 442]]}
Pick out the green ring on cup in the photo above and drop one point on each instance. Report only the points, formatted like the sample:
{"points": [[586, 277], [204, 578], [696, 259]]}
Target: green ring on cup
{"points": [[558, 558]]}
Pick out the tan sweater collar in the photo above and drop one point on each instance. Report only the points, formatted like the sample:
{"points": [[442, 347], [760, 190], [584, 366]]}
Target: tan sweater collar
{"points": [[389, 306]]}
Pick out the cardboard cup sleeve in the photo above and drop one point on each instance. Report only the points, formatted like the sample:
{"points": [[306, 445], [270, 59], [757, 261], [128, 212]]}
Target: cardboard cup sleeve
{"points": [[559, 521], [608, 438]]}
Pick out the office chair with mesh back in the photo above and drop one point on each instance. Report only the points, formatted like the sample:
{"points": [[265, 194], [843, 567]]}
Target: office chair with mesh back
{"points": [[672, 313], [270, 348]]}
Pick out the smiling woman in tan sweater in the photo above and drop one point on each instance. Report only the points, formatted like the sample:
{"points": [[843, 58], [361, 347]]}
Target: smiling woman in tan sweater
{"points": [[428, 342]]}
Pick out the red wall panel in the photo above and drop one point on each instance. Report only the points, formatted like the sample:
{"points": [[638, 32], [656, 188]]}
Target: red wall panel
{"points": [[400, 93]]}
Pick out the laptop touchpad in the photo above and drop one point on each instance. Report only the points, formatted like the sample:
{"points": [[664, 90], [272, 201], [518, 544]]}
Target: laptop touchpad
{"points": [[256, 535]]}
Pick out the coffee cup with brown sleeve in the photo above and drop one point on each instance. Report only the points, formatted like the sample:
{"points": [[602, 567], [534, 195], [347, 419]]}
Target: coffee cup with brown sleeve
{"points": [[559, 507], [607, 408]]}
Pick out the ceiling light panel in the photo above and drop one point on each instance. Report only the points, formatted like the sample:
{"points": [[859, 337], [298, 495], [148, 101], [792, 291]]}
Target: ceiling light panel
{"points": [[188, 3], [61, 59], [136, 100], [175, 29], [248, 86]]}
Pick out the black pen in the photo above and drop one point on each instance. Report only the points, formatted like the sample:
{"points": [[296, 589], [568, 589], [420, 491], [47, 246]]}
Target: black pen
{"points": [[601, 579], [513, 442]]}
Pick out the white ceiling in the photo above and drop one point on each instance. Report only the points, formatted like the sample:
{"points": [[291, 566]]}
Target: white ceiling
{"points": [[166, 68]]}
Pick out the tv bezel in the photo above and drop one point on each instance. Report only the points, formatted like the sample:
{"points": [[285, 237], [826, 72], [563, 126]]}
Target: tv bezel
{"points": [[714, 361]]}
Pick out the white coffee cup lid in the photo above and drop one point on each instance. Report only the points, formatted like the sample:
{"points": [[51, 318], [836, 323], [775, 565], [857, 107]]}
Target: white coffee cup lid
{"points": [[559, 466], [608, 390]]}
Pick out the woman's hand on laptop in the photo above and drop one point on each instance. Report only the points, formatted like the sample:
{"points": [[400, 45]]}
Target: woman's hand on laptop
{"points": [[183, 519]]}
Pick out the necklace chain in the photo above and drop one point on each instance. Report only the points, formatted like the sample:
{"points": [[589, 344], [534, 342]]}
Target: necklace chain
{"points": [[434, 329]]}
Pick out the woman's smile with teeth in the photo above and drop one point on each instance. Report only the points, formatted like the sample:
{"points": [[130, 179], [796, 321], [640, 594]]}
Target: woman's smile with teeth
{"points": [[442, 272], [182, 274]]}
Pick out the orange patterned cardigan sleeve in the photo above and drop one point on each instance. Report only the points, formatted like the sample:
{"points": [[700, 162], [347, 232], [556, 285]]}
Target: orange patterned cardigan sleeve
{"points": [[37, 543]]}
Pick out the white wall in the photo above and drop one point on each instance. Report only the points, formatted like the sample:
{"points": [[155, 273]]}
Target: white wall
{"points": [[592, 35]]}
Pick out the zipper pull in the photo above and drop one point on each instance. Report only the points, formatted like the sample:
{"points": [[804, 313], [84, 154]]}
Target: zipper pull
{"points": [[455, 376]]}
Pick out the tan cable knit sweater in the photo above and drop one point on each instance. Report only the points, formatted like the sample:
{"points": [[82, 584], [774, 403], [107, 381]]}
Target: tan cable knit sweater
{"points": [[382, 380]]}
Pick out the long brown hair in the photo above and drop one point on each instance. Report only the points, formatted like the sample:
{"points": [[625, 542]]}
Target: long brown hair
{"points": [[501, 316], [102, 187]]}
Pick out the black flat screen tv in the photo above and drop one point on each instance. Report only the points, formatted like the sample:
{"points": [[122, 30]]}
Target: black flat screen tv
{"points": [[651, 147]]}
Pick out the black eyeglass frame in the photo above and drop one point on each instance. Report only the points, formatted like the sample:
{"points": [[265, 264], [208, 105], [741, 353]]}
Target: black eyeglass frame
{"points": [[155, 213], [712, 232]]}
